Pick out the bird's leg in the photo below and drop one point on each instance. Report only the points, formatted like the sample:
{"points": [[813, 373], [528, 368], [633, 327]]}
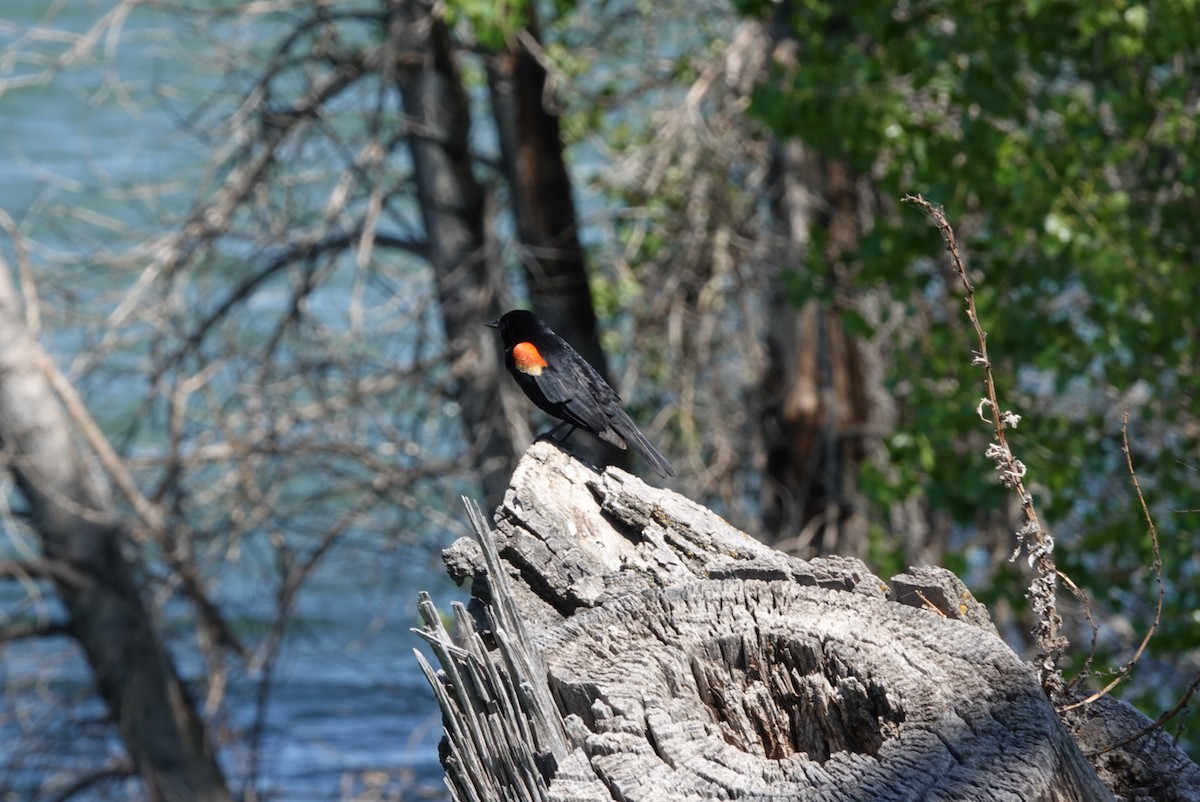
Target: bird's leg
{"points": [[560, 440]]}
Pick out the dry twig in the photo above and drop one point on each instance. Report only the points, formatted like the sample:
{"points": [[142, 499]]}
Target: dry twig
{"points": [[1158, 722], [1127, 669], [1038, 543]]}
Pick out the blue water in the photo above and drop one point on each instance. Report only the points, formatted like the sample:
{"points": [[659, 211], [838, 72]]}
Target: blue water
{"points": [[350, 714], [349, 698], [348, 706]]}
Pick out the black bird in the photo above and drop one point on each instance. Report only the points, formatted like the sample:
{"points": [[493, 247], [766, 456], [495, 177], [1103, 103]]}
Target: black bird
{"points": [[563, 384]]}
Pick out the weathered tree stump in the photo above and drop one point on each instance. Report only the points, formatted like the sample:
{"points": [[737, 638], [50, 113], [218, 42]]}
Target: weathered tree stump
{"points": [[627, 644]]}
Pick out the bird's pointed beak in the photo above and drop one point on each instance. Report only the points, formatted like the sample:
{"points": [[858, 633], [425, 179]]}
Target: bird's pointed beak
{"points": [[493, 324]]}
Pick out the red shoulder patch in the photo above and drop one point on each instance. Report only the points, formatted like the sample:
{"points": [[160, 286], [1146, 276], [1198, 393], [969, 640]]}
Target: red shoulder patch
{"points": [[528, 358]]}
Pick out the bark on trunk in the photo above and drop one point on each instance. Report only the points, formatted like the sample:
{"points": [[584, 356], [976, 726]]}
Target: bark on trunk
{"points": [[467, 275], [543, 205], [81, 535], [634, 646], [543, 202], [816, 385]]}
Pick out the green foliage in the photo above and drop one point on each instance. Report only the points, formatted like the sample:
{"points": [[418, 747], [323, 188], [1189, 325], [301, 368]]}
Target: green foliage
{"points": [[494, 24], [1062, 139]]}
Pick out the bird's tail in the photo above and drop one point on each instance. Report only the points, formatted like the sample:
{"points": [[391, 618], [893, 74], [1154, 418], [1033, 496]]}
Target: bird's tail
{"points": [[642, 446]]}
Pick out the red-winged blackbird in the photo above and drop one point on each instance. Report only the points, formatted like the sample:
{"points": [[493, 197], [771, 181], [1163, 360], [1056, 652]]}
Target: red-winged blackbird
{"points": [[562, 383]]}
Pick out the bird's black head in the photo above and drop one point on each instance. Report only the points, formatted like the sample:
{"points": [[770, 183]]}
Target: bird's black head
{"points": [[517, 325]]}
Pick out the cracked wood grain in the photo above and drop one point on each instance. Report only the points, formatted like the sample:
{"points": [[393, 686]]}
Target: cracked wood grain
{"points": [[681, 659]]}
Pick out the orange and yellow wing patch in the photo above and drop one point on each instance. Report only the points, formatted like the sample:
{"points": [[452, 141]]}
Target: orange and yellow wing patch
{"points": [[528, 358]]}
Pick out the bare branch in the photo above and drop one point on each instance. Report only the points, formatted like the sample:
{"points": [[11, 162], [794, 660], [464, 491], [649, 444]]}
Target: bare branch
{"points": [[149, 513], [36, 629], [1038, 543], [1158, 722], [86, 781], [1087, 614], [1126, 670], [56, 570]]}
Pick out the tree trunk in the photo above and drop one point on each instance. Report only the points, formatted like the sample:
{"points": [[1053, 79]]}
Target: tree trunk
{"points": [[543, 202], [822, 397], [467, 275], [543, 205], [637, 647], [817, 409], [83, 539]]}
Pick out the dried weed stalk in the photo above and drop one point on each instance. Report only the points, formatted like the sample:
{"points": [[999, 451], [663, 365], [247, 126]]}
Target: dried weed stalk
{"points": [[1036, 541]]}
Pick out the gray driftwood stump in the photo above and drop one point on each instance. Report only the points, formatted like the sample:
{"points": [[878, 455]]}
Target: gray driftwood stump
{"points": [[626, 644]]}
